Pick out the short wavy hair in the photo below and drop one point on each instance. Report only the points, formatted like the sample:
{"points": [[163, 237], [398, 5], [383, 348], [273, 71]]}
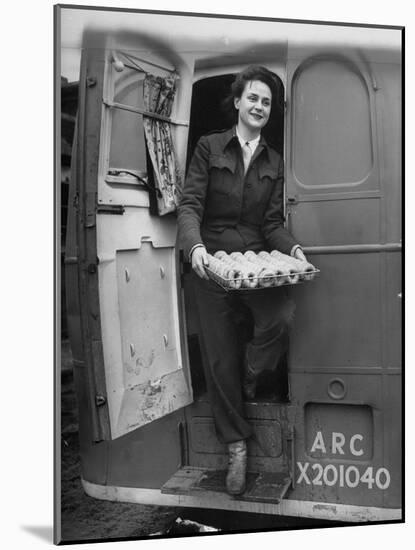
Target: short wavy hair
{"points": [[253, 72]]}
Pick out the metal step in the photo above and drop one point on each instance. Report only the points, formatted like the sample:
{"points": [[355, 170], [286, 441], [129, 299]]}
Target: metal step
{"points": [[260, 487]]}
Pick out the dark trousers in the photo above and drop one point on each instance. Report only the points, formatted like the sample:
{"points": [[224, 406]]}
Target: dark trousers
{"points": [[272, 312]]}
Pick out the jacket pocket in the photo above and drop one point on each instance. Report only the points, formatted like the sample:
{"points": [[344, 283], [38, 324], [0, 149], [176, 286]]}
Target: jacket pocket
{"points": [[221, 162], [221, 174], [267, 172]]}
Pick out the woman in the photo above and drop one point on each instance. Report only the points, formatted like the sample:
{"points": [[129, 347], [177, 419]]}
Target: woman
{"points": [[233, 201]]}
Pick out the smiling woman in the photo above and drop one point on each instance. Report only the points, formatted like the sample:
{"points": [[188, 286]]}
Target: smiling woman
{"points": [[254, 106]]}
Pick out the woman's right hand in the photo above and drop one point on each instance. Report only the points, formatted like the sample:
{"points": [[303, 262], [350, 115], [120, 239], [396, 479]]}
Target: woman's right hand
{"points": [[199, 261]]}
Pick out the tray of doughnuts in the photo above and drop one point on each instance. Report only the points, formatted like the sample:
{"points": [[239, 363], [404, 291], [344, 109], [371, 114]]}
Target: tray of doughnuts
{"points": [[254, 271]]}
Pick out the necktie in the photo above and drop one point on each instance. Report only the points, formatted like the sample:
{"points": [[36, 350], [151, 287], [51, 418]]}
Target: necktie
{"points": [[247, 154]]}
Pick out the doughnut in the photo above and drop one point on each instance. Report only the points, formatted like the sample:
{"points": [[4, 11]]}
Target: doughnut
{"points": [[305, 268], [249, 276], [274, 275]]}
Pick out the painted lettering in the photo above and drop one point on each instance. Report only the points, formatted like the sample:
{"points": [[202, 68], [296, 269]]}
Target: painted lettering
{"points": [[303, 475], [320, 469], [353, 449], [318, 444], [337, 443], [341, 475], [368, 478], [386, 483], [334, 475], [349, 482]]}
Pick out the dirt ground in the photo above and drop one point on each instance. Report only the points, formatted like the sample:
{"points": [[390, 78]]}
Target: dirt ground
{"points": [[87, 519]]}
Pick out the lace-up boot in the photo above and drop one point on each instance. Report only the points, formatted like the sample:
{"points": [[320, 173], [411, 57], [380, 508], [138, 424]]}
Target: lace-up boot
{"points": [[236, 477]]}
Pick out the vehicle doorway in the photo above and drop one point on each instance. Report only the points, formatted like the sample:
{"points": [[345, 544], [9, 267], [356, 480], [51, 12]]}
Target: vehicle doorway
{"points": [[209, 113]]}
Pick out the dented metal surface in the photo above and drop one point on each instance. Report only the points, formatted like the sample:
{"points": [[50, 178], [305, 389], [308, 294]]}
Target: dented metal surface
{"points": [[148, 401]]}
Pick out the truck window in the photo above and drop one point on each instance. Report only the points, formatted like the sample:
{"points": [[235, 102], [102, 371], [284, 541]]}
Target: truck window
{"points": [[128, 153], [332, 135]]}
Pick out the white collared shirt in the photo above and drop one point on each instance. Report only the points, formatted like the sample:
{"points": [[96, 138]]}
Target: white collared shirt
{"points": [[253, 144]]}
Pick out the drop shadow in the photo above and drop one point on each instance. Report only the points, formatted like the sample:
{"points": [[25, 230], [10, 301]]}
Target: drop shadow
{"points": [[43, 532]]}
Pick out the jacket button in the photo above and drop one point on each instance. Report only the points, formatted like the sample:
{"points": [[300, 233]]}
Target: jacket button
{"points": [[249, 185]]}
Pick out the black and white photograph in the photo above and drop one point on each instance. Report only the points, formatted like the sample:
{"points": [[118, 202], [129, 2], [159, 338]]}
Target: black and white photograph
{"points": [[229, 208]]}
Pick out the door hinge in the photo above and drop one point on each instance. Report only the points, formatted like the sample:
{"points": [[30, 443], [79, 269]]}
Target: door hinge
{"points": [[100, 400], [110, 209], [292, 200], [184, 443], [290, 438], [91, 81]]}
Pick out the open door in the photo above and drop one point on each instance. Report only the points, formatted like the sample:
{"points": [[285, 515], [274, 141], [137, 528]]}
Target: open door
{"points": [[124, 311]]}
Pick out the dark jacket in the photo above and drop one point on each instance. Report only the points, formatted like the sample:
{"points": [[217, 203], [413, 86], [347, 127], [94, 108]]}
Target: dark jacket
{"points": [[223, 209]]}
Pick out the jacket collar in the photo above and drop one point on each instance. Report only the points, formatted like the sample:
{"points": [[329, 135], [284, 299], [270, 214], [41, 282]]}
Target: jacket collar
{"points": [[230, 136]]}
